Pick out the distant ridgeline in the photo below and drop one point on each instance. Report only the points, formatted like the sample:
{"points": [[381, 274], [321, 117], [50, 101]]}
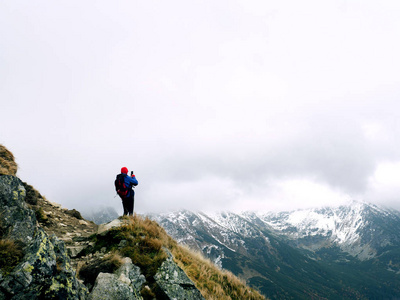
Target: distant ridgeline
{"points": [[347, 252], [101, 214], [48, 252]]}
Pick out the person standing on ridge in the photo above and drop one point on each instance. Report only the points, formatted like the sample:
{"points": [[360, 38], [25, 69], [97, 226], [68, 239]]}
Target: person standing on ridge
{"points": [[123, 186]]}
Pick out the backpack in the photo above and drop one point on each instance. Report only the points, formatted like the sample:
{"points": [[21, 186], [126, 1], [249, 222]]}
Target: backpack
{"points": [[120, 186]]}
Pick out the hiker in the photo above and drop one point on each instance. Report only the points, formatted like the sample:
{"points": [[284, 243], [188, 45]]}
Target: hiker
{"points": [[123, 185]]}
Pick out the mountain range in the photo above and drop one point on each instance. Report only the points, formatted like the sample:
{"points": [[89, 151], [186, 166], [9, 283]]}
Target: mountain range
{"points": [[346, 252]]}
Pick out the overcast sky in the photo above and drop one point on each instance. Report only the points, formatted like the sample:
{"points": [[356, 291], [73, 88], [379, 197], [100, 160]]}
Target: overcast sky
{"points": [[216, 105]]}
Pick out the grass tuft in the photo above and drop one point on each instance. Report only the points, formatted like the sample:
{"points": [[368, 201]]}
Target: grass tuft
{"points": [[212, 282], [11, 253], [8, 166], [32, 195], [41, 217]]}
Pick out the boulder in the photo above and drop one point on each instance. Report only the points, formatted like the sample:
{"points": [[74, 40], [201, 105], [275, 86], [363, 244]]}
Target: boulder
{"points": [[107, 226], [174, 281], [18, 222], [124, 284]]}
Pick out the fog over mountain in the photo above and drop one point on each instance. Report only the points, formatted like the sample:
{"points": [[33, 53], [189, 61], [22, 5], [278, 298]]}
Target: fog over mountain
{"points": [[238, 105]]}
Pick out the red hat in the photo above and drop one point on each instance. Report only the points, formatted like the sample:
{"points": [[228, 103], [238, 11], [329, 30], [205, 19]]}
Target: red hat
{"points": [[124, 170]]}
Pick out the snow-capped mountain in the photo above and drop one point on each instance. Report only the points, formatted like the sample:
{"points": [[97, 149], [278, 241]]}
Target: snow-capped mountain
{"points": [[323, 252], [213, 235], [360, 229]]}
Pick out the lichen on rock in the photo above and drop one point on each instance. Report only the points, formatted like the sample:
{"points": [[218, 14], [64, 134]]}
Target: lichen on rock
{"points": [[174, 281], [124, 284], [45, 271]]}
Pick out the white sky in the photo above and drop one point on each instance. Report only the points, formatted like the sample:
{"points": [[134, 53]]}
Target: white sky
{"points": [[234, 105]]}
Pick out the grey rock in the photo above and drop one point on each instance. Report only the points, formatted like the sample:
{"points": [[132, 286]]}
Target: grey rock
{"points": [[18, 221], [125, 284], [174, 281], [122, 243], [108, 286], [103, 228], [44, 273], [73, 251], [131, 272]]}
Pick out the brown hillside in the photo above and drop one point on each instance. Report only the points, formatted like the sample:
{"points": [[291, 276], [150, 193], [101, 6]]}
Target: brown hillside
{"points": [[7, 164]]}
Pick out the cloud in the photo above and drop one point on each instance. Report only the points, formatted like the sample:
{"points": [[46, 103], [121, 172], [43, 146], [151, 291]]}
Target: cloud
{"points": [[214, 104], [384, 184]]}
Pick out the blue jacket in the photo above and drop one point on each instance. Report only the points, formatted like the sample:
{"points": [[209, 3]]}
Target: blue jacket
{"points": [[129, 182]]}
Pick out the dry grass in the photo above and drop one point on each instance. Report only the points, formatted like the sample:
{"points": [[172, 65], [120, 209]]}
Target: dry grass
{"points": [[74, 213], [11, 254], [41, 217], [142, 241], [212, 282], [145, 239], [8, 165], [32, 195]]}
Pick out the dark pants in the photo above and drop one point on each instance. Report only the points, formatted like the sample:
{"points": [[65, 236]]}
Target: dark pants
{"points": [[127, 203]]}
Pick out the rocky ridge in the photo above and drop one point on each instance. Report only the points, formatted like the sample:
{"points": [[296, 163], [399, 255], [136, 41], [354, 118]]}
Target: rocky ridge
{"points": [[52, 239]]}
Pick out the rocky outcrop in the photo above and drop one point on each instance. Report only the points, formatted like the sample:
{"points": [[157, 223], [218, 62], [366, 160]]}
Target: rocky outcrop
{"points": [[174, 281], [127, 281], [45, 271], [18, 222], [124, 284]]}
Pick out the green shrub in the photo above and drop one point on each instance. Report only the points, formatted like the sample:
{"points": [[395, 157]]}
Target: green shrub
{"points": [[74, 213], [41, 216]]}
